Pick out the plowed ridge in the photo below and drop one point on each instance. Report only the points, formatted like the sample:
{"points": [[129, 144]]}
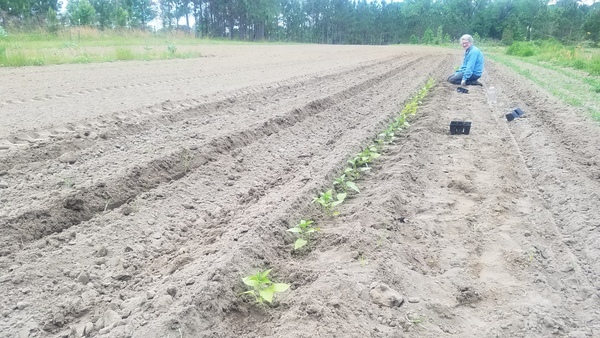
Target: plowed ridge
{"points": [[237, 123]]}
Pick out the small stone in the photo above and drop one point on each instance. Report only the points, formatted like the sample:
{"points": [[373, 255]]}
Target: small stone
{"points": [[109, 318], [105, 330], [88, 328], [414, 299], [3, 185], [22, 305], [150, 294], [101, 252], [127, 210], [527, 234], [163, 303], [188, 206], [190, 281], [59, 319], [549, 322], [577, 334], [382, 294], [568, 268], [122, 275], [313, 310], [171, 290], [68, 157], [62, 290], [83, 278]]}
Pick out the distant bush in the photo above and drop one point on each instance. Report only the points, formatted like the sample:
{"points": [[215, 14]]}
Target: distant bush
{"points": [[428, 37], [520, 49], [3, 33]]}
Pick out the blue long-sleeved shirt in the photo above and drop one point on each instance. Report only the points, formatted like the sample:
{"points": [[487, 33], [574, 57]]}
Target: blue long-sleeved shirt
{"points": [[472, 64]]}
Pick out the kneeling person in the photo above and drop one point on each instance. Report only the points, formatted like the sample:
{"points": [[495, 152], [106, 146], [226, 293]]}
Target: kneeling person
{"points": [[472, 66]]}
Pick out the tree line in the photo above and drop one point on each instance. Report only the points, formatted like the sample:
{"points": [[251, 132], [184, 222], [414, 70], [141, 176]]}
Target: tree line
{"points": [[323, 21]]}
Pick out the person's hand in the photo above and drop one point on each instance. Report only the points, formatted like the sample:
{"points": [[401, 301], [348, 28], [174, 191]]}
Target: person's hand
{"points": [[463, 83]]}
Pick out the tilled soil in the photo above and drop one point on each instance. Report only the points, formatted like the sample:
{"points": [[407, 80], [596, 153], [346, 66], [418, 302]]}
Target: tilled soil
{"points": [[135, 196]]}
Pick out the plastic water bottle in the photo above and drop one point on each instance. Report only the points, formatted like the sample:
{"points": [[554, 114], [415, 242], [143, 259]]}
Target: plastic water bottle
{"points": [[491, 96]]}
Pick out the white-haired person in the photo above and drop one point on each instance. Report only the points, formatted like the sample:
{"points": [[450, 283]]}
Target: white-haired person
{"points": [[472, 66]]}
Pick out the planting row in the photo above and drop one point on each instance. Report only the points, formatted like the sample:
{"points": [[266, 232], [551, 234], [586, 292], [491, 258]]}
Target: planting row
{"points": [[262, 289]]}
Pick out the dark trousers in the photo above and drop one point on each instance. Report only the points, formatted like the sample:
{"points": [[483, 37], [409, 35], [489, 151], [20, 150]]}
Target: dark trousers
{"points": [[456, 78]]}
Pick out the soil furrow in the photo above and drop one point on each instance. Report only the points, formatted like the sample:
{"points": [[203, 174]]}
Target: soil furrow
{"points": [[475, 235], [560, 147], [217, 216], [78, 135], [63, 212]]}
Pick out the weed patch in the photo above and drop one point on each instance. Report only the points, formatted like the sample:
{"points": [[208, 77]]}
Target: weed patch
{"points": [[124, 54], [520, 48]]}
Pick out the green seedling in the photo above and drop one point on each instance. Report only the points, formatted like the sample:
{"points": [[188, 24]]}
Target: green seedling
{"points": [[353, 173], [186, 160], [362, 260], [263, 289], [304, 230], [368, 155], [326, 200], [68, 182], [400, 122], [416, 319], [388, 135], [345, 184]]}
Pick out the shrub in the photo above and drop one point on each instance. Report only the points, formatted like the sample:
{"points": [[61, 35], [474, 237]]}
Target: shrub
{"points": [[520, 49], [3, 33], [428, 37]]}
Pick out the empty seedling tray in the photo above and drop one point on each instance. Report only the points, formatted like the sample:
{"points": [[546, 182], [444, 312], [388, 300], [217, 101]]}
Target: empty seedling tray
{"points": [[460, 127], [517, 112]]}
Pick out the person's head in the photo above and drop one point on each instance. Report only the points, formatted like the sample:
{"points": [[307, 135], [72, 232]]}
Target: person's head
{"points": [[466, 41]]}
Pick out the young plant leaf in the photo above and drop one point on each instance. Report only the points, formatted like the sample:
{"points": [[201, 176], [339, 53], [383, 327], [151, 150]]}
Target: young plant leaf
{"points": [[280, 287], [267, 294], [250, 281], [352, 186], [300, 242]]}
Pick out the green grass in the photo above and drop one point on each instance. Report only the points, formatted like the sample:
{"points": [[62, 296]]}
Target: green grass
{"points": [[579, 57], [84, 45], [580, 91], [87, 45]]}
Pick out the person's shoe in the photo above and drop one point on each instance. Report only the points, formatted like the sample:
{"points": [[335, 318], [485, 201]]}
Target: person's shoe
{"points": [[474, 83]]}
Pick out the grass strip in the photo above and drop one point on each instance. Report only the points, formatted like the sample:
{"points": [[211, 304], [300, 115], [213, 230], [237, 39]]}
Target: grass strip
{"points": [[566, 93]]}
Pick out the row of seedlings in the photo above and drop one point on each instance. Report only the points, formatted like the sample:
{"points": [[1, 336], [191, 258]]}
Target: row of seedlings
{"points": [[262, 289]]}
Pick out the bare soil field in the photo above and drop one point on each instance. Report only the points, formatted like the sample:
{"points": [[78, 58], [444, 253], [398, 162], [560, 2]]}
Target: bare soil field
{"points": [[135, 196]]}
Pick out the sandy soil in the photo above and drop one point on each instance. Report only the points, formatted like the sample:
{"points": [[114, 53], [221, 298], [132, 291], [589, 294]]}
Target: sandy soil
{"points": [[135, 196]]}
